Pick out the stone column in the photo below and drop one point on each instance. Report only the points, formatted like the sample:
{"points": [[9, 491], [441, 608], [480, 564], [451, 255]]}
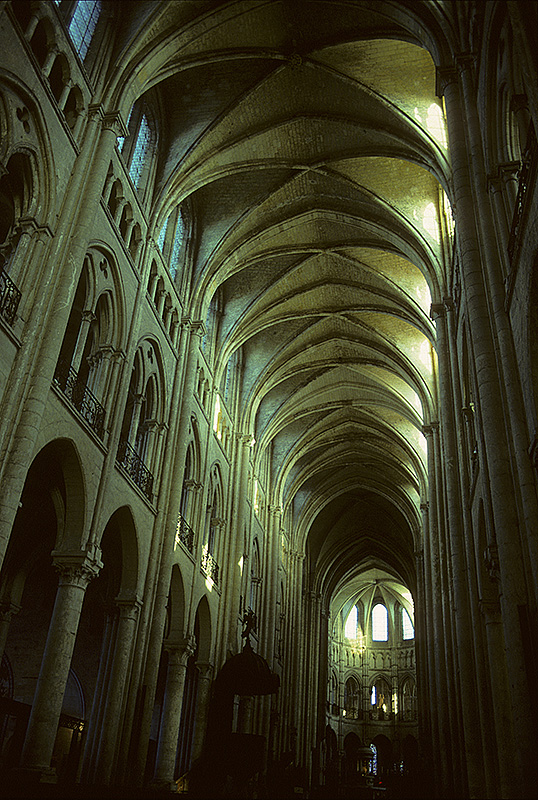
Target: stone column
{"points": [[117, 682], [205, 672], [422, 635], [271, 586], [296, 650], [496, 185], [491, 610], [91, 739], [76, 571], [49, 61], [496, 447], [139, 401], [441, 745], [161, 557], [464, 641], [7, 611], [64, 95], [87, 318], [178, 655], [160, 301], [238, 512]]}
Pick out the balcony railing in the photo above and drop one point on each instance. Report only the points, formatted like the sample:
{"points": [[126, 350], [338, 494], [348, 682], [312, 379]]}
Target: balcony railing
{"points": [[76, 391], [210, 567], [135, 468], [10, 298], [184, 534]]}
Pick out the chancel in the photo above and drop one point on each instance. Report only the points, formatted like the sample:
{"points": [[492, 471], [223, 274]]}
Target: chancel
{"points": [[269, 398]]}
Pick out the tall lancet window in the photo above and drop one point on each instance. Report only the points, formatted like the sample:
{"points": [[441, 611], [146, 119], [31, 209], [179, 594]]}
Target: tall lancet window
{"points": [[380, 623]]}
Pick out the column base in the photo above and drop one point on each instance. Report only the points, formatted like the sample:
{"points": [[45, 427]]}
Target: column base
{"points": [[27, 779], [161, 786]]}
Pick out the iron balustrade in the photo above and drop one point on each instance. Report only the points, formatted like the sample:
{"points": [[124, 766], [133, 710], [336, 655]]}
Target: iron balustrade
{"points": [[74, 388], [135, 468], [210, 567], [10, 298], [184, 534]]}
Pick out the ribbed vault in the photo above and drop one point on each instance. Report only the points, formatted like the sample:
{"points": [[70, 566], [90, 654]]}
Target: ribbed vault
{"points": [[309, 142]]}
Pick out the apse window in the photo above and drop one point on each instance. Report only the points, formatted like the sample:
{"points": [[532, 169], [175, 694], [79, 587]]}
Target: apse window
{"points": [[380, 623], [351, 624], [408, 632]]}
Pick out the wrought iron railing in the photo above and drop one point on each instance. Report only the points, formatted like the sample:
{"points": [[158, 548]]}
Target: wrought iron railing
{"points": [[10, 298], [210, 567], [184, 534], [76, 391], [135, 468], [525, 179]]}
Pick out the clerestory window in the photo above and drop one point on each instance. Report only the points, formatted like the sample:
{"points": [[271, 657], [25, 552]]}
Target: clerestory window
{"points": [[141, 151], [83, 24]]}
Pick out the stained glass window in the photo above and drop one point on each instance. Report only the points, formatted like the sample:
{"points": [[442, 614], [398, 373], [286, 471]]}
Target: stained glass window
{"points": [[83, 24], [178, 242], [140, 152], [162, 236], [374, 759]]}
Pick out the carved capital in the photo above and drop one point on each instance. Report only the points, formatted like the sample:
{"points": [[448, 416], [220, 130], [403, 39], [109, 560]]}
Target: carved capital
{"points": [[180, 650], [465, 61], [113, 121], [198, 328], [490, 609], [444, 76], [77, 568], [205, 670], [437, 310], [430, 429], [8, 610], [129, 602]]}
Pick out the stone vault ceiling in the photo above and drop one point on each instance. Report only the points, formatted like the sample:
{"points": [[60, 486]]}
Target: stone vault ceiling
{"points": [[308, 138]]}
